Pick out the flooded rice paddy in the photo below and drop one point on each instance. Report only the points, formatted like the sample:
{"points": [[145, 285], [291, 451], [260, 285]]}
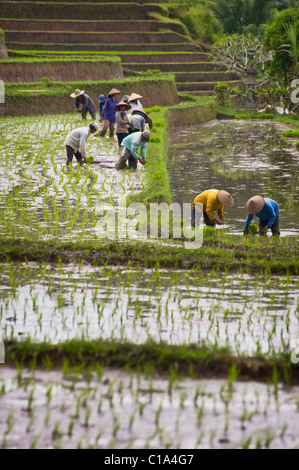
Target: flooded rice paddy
{"points": [[39, 197], [249, 315], [243, 157], [108, 409]]}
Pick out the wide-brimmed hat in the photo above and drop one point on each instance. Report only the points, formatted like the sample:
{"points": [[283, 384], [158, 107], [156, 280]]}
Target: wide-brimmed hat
{"points": [[255, 204], [121, 103], [114, 91], [77, 93], [125, 98], [134, 97], [141, 111], [225, 198], [146, 135]]}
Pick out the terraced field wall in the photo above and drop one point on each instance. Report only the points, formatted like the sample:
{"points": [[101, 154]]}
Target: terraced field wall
{"points": [[61, 69], [54, 97]]}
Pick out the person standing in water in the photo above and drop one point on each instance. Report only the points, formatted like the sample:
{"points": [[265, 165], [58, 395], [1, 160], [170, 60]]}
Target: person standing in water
{"points": [[213, 200], [267, 210]]}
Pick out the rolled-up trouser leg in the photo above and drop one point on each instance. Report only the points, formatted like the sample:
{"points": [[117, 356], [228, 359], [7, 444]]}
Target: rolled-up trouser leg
{"points": [[79, 158], [125, 156], [105, 127], [69, 154], [84, 112], [111, 126], [132, 162], [262, 225]]}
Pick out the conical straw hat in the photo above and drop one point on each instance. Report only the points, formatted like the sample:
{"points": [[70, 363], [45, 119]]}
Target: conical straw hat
{"points": [[121, 103], [114, 91], [77, 93], [225, 198], [255, 204], [141, 110], [134, 97]]}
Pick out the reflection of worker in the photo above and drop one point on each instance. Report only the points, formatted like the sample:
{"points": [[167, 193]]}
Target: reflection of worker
{"points": [[84, 103], [213, 200], [76, 141], [267, 211], [130, 146]]}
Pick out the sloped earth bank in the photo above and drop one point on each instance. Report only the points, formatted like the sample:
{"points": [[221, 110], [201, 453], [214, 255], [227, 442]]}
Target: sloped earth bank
{"points": [[245, 158], [108, 409]]}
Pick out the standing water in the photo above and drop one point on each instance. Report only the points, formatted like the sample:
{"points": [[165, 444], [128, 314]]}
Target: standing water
{"points": [[243, 157]]}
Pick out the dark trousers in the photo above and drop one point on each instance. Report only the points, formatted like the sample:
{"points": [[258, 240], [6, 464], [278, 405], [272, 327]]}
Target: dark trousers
{"points": [[120, 137], [206, 219], [274, 229], [92, 113], [132, 161], [70, 152]]}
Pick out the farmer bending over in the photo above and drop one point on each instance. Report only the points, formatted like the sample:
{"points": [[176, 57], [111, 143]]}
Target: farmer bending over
{"points": [[84, 103], [212, 200], [267, 211], [76, 141], [130, 146]]}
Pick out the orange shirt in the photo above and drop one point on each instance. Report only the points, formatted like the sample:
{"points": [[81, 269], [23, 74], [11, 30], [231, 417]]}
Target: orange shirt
{"points": [[210, 203]]}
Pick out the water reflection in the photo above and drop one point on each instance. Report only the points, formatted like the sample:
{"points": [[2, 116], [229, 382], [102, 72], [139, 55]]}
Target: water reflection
{"points": [[243, 157]]}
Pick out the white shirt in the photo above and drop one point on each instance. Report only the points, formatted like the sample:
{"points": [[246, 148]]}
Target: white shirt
{"points": [[77, 139]]}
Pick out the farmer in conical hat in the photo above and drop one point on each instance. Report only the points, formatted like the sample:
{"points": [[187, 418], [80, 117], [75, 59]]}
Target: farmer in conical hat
{"points": [[122, 121], [267, 210], [213, 200], [84, 103], [108, 113], [134, 101], [130, 146], [138, 118], [76, 141]]}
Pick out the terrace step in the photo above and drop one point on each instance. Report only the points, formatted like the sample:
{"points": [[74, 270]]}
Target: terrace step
{"points": [[161, 58], [205, 76], [82, 11], [93, 37], [98, 26], [180, 67], [29, 46]]}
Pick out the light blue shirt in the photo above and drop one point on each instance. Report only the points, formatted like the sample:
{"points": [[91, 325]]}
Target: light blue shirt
{"points": [[133, 142]]}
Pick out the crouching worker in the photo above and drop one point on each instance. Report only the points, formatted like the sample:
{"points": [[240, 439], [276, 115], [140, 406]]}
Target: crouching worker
{"points": [[130, 146], [213, 200], [267, 211], [76, 141]]}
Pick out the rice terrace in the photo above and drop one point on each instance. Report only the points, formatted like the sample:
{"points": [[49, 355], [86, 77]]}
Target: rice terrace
{"points": [[118, 333]]}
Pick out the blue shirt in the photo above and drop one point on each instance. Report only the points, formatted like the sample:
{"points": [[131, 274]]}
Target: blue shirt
{"points": [[109, 111], [133, 142], [268, 213]]}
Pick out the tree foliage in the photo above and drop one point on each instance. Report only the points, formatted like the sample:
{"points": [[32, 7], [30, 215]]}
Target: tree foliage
{"points": [[283, 39], [237, 15], [239, 52]]}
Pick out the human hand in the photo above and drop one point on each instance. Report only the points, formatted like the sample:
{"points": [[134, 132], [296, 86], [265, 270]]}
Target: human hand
{"points": [[84, 159], [142, 161], [245, 231], [219, 222]]}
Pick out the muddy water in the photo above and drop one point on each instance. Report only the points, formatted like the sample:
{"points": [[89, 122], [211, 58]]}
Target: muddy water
{"points": [[113, 409], [243, 157], [249, 315]]}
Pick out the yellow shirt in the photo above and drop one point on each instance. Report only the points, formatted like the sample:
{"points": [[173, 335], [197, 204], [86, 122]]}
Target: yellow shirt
{"points": [[210, 203]]}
